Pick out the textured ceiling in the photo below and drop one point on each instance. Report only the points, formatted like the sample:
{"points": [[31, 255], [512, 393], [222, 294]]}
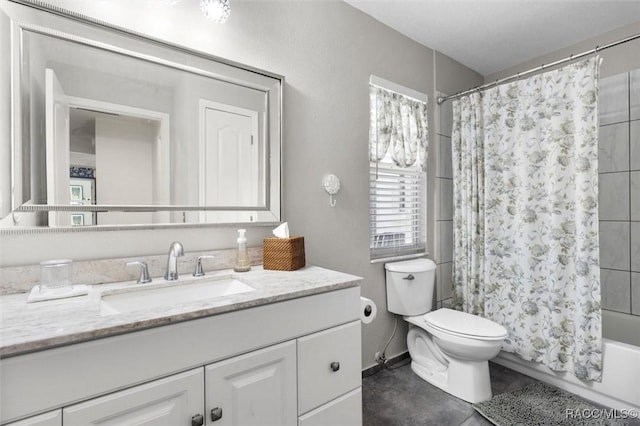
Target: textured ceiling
{"points": [[491, 35]]}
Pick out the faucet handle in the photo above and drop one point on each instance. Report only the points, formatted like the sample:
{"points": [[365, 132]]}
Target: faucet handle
{"points": [[199, 272], [144, 271]]}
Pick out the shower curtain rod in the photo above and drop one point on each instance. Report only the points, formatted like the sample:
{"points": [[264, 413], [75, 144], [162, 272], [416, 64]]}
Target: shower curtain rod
{"points": [[597, 49]]}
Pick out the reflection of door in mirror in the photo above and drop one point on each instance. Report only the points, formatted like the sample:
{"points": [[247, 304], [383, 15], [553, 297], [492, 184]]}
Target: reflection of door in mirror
{"points": [[57, 142], [230, 143], [127, 147]]}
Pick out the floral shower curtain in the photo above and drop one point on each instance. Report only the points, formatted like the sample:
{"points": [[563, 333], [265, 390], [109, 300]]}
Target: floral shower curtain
{"points": [[526, 215]]}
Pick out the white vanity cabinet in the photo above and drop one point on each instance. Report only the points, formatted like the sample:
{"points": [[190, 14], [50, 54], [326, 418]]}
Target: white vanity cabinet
{"points": [[257, 388], [283, 363], [316, 376]]}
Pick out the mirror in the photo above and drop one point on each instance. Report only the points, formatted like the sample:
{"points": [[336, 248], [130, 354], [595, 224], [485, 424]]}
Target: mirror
{"points": [[110, 128]]}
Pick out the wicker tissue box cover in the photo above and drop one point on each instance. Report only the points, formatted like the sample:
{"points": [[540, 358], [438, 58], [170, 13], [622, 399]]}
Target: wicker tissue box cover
{"points": [[283, 254]]}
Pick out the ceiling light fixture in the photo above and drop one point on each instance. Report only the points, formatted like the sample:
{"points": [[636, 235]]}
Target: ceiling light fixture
{"points": [[216, 10]]}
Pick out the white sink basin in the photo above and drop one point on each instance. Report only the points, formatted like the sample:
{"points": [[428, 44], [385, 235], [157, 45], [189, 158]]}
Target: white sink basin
{"points": [[156, 296]]}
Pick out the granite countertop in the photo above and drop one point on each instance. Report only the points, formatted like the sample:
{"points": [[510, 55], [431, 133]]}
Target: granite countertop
{"points": [[27, 327]]}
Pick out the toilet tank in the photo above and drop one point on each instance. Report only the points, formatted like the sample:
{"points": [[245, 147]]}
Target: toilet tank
{"points": [[410, 286]]}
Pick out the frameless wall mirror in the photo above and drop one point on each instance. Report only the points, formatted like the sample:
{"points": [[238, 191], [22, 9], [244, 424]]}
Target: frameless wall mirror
{"points": [[107, 127]]}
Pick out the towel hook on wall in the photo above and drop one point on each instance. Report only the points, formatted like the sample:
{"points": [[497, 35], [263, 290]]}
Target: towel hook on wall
{"points": [[331, 184]]}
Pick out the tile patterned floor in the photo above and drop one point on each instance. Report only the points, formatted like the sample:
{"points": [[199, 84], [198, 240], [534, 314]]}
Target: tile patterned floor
{"points": [[397, 397]]}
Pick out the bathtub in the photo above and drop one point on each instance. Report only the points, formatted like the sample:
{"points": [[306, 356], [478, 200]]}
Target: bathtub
{"points": [[623, 328], [620, 386]]}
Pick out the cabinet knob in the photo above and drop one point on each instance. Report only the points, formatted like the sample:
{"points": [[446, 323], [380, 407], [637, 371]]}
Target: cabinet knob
{"points": [[216, 414], [197, 420], [335, 366]]}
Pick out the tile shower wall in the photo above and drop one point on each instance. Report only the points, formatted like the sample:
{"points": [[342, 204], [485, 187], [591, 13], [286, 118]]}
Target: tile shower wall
{"points": [[619, 189], [444, 213]]}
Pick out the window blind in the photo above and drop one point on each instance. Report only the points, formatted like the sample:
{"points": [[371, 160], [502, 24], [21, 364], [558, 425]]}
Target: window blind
{"points": [[397, 211]]}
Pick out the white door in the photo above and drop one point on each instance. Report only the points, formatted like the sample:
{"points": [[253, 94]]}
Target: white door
{"points": [[173, 401], [258, 388], [57, 146], [229, 161]]}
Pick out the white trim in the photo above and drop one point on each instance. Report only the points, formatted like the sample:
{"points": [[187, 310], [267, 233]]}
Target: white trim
{"points": [[398, 88], [394, 258], [164, 148]]}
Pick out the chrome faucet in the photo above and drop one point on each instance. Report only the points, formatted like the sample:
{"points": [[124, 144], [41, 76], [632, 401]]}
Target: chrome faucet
{"points": [[144, 277], [175, 250]]}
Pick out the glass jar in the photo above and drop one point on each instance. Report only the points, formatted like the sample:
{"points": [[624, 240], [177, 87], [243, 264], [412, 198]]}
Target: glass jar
{"points": [[56, 275]]}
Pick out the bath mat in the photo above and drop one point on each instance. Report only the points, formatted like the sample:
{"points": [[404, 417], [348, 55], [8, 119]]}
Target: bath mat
{"points": [[539, 404]]}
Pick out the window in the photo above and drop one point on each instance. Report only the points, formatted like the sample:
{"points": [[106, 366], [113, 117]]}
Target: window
{"points": [[397, 171]]}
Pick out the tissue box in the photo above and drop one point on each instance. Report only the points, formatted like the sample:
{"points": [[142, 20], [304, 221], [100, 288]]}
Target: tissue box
{"points": [[283, 254]]}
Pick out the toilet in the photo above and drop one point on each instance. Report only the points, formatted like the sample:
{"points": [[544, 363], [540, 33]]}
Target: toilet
{"points": [[449, 349]]}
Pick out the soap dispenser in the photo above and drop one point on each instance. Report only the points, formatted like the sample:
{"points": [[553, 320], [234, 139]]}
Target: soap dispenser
{"points": [[243, 264]]}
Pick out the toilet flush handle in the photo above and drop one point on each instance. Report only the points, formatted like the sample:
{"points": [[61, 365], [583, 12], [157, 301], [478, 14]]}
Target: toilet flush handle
{"points": [[409, 277]]}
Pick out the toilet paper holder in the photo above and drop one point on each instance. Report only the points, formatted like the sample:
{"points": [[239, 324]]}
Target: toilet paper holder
{"points": [[368, 310]]}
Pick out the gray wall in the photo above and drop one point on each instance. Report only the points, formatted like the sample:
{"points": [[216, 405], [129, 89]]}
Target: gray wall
{"points": [[326, 51]]}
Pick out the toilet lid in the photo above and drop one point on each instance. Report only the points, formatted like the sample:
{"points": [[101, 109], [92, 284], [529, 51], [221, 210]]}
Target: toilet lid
{"points": [[411, 266], [462, 323]]}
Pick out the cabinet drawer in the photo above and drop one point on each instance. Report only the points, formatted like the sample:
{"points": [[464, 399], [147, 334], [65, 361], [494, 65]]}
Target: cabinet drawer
{"points": [[344, 411], [328, 365], [53, 418]]}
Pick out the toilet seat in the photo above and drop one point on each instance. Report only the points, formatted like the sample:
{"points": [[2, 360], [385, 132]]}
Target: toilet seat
{"points": [[460, 324]]}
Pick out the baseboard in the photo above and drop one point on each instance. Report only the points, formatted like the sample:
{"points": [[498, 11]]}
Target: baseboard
{"points": [[379, 367]]}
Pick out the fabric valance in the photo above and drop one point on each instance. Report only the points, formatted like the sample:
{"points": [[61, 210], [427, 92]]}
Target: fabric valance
{"points": [[398, 128]]}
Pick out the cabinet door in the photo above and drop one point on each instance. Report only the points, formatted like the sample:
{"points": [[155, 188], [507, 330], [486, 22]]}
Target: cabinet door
{"points": [[258, 388], [329, 365], [171, 401], [344, 411], [53, 418]]}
